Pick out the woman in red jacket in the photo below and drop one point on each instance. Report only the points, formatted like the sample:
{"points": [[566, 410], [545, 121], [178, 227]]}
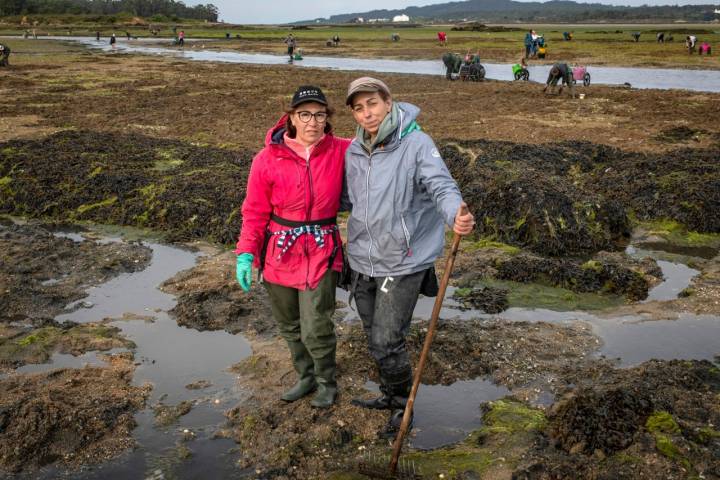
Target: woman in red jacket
{"points": [[289, 232]]}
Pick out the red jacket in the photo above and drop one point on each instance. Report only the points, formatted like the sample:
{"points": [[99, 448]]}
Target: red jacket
{"points": [[283, 183]]}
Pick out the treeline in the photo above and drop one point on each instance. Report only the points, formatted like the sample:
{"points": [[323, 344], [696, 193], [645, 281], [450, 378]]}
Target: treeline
{"points": [[505, 11], [139, 8]]}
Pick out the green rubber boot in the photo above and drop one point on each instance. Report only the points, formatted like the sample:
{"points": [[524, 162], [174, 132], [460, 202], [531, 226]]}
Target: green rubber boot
{"points": [[326, 384], [304, 365]]}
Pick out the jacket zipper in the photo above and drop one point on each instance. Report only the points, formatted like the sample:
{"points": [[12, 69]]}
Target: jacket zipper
{"points": [[367, 203], [406, 233], [307, 219], [367, 208]]}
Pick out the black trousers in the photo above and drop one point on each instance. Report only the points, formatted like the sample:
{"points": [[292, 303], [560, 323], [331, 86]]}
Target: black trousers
{"points": [[385, 306]]}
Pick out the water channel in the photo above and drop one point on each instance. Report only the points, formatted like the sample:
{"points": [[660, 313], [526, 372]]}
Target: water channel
{"points": [[657, 78], [170, 357]]}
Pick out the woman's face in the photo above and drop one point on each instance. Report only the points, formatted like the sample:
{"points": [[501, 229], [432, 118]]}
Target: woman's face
{"points": [[369, 110], [307, 122]]}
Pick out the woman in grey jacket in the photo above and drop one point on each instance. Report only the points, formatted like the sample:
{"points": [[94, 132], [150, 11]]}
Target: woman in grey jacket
{"points": [[400, 195]]}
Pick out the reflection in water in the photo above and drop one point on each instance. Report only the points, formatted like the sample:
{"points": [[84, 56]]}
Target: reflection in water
{"points": [[677, 278], [447, 414], [169, 357]]}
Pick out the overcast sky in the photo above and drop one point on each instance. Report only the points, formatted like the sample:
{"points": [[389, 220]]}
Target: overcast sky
{"points": [[283, 11]]}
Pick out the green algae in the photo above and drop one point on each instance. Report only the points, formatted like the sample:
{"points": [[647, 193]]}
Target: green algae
{"points": [[509, 430], [5, 186], [661, 422], [707, 434], [538, 295], [593, 265], [95, 172], [487, 243], [510, 417], [166, 159], [676, 233], [92, 206], [38, 345], [662, 426]]}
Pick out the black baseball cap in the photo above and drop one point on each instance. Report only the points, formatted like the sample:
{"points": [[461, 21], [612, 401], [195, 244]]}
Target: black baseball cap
{"points": [[308, 93]]}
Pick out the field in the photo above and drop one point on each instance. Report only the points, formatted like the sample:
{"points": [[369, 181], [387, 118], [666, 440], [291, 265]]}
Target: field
{"points": [[591, 45], [560, 186]]}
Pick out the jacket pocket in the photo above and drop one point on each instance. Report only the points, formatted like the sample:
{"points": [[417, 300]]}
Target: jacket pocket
{"points": [[357, 241], [393, 246]]}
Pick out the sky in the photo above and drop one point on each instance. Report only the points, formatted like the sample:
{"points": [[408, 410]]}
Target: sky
{"points": [[283, 11]]}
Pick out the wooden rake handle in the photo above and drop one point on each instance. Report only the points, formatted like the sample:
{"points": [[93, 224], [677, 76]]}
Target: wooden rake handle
{"points": [[449, 262]]}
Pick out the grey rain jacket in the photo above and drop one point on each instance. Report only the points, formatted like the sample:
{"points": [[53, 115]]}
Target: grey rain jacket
{"points": [[400, 197]]}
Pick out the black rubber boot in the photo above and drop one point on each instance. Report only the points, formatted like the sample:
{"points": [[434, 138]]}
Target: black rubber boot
{"points": [[326, 384], [395, 387], [383, 402], [304, 365], [392, 427]]}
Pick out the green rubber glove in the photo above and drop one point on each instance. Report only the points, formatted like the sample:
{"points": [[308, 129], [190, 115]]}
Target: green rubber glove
{"points": [[243, 270]]}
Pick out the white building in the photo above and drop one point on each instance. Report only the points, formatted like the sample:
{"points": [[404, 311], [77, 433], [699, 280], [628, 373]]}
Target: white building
{"points": [[401, 18]]}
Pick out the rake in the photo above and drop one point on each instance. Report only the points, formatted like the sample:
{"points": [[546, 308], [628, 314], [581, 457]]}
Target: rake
{"points": [[375, 467]]}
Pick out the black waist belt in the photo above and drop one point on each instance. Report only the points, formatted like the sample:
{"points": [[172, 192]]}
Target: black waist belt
{"points": [[295, 223], [337, 246]]}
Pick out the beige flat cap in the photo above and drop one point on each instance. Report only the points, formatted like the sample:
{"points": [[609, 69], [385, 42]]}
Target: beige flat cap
{"points": [[365, 84]]}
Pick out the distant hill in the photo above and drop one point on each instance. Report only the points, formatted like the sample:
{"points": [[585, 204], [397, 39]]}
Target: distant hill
{"points": [[507, 11]]}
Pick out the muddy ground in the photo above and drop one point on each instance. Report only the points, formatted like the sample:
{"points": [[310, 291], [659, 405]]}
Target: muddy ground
{"points": [[533, 360], [41, 273], [166, 145], [69, 416], [233, 105]]}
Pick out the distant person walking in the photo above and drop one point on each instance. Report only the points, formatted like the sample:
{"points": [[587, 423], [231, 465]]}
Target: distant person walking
{"points": [[113, 40], [181, 38], [291, 43], [97, 36]]}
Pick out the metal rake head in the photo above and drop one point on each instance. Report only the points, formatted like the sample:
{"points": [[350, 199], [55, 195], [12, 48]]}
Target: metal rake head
{"points": [[378, 467]]}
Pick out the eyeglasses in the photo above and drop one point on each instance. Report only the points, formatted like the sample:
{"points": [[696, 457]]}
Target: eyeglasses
{"points": [[305, 116]]}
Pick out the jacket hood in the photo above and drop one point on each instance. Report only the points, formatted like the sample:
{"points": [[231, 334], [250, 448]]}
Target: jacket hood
{"points": [[410, 114], [275, 134]]}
